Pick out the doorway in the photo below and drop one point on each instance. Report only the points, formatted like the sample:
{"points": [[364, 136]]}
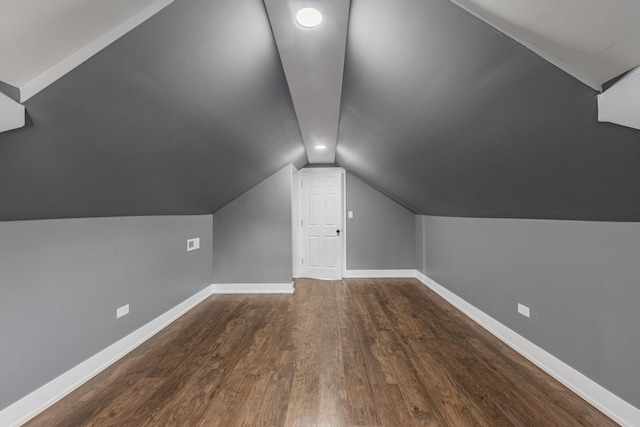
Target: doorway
{"points": [[321, 223]]}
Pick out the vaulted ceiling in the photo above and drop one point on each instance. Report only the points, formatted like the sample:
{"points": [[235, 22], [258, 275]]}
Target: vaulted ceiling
{"points": [[451, 117], [439, 110], [179, 116]]}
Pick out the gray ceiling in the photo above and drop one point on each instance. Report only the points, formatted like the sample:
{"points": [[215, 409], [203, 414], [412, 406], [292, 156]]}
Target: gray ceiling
{"points": [[439, 111], [450, 117], [179, 116]]}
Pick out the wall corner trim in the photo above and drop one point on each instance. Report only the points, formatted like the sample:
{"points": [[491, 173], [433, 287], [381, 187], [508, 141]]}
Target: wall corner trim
{"points": [[378, 274], [252, 288], [37, 401], [608, 403]]}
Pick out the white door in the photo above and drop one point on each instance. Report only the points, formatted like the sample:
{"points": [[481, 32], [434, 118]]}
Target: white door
{"points": [[321, 224]]}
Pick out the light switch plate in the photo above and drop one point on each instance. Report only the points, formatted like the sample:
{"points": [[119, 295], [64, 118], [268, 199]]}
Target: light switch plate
{"points": [[350, 214]]}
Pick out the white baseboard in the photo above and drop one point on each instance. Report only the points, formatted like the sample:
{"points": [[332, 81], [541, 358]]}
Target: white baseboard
{"points": [[611, 405], [37, 401], [252, 288], [31, 405], [378, 274]]}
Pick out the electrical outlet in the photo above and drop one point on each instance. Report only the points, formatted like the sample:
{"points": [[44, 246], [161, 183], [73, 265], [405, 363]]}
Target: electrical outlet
{"points": [[524, 310], [193, 244], [350, 214], [122, 311]]}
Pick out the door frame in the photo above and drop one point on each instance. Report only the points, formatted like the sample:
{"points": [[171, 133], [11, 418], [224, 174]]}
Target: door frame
{"points": [[297, 249]]}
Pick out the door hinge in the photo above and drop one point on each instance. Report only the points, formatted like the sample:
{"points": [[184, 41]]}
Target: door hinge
{"points": [[302, 261], [302, 222]]}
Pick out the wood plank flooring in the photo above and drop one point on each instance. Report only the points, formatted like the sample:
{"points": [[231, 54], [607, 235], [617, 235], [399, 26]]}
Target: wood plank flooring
{"points": [[383, 352]]}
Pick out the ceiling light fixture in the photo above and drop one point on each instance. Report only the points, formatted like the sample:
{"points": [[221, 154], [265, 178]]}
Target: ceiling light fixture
{"points": [[320, 147], [308, 17]]}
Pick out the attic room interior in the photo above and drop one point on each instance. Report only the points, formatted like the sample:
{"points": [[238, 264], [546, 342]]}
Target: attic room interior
{"points": [[319, 212]]}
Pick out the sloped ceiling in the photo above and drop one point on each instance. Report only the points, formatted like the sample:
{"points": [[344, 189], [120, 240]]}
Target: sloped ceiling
{"points": [[593, 40], [179, 116], [42, 40], [451, 117], [313, 62], [439, 110]]}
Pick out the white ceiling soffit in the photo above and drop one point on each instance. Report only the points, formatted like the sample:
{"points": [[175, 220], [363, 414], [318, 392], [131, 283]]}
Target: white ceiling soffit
{"points": [[42, 40], [593, 40], [620, 104], [11, 114], [313, 62]]}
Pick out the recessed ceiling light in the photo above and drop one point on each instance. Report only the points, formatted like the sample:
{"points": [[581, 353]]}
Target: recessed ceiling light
{"points": [[308, 17], [321, 147]]}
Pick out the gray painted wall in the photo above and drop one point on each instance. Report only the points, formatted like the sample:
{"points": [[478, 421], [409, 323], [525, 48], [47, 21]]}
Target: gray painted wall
{"points": [[62, 280], [420, 242], [381, 235], [580, 279], [253, 235]]}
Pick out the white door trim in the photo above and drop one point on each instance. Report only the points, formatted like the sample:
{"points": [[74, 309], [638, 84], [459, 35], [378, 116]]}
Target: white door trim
{"points": [[298, 271], [343, 174], [295, 220]]}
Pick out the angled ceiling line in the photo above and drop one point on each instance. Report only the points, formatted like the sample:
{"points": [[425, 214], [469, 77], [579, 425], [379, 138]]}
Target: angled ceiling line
{"points": [[572, 48], [313, 63], [31, 73]]}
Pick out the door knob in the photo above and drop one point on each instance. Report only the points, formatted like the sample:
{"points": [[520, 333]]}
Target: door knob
{"points": [[338, 232]]}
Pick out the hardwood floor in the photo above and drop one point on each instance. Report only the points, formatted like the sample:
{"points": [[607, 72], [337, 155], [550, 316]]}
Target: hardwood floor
{"points": [[384, 352]]}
